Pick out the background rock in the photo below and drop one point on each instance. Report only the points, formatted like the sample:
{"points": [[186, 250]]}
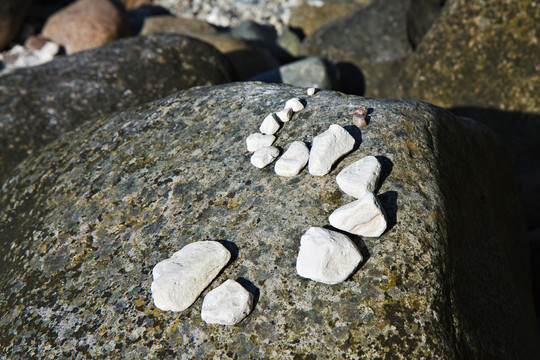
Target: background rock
{"points": [[421, 14], [38, 104], [12, 14], [83, 223], [87, 24], [168, 24], [373, 39]]}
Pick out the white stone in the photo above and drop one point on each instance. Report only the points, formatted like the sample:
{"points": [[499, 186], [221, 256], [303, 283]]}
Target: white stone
{"points": [[257, 141], [294, 104], [285, 114], [228, 304], [327, 148], [364, 217], [293, 160], [360, 177], [270, 125], [311, 91], [264, 156], [327, 256], [179, 280]]}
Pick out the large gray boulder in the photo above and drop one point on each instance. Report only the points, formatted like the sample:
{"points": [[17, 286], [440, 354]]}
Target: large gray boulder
{"points": [[83, 223], [38, 104]]}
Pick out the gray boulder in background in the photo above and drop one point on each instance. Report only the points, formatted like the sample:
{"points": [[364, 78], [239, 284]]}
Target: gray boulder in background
{"points": [[83, 223], [38, 104]]}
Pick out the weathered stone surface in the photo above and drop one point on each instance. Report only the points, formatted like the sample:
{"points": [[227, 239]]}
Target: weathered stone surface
{"points": [[327, 148], [327, 256], [228, 304], [83, 223], [480, 59], [180, 279], [12, 13], [87, 24], [373, 39], [312, 71], [421, 14], [39, 104], [293, 160], [360, 177], [364, 217]]}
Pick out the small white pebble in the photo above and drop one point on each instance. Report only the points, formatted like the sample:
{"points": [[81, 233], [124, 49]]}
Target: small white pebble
{"points": [[294, 104], [256, 141], [364, 217], [264, 156], [179, 280], [228, 304], [311, 91], [293, 160], [285, 114], [327, 148], [270, 125], [327, 256], [360, 177]]}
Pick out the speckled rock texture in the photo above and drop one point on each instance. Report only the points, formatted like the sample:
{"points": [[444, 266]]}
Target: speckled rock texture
{"points": [[38, 104], [83, 223], [482, 60], [373, 39]]}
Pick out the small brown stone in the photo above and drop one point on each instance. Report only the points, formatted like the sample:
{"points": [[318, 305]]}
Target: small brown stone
{"points": [[359, 117]]}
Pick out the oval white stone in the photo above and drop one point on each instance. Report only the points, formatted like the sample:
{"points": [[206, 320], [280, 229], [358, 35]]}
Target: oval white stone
{"points": [[311, 91], [270, 125], [257, 141], [293, 160], [364, 217], [227, 304], [327, 256], [327, 148], [179, 280], [285, 114], [264, 156], [295, 104], [360, 177]]}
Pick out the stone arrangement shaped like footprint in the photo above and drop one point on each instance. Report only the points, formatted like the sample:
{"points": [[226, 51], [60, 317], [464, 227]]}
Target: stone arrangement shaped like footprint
{"points": [[325, 256]]}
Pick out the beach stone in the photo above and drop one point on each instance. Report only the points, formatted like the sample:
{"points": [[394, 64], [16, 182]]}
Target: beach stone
{"points": [[133, 4], [39, 104], [168, 24], [360, 177], [270, 124], [87, 24], [364, 217], [327, 256], [421, 14], [264, 156], [290, 42], [228, 304], [285, 115], [83, 223], [308, 72], [372, 40], [327, 148], [179, 280], [256, 141], [12, 14], [293, 160], [295, 104], [253, 31]]}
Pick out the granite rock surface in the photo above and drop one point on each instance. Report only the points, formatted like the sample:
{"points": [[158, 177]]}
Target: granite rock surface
{"points": [[38, 104], [83, 222]]}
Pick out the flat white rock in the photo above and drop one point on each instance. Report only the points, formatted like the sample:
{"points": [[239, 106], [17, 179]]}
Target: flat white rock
{"points": [[293, 160], [311, 91], [285, 114], [327, 256], [179, 280], [264, 156], [327, 148], [360, 177], [257, 141], [270, 125], [364, 217], [227, 304], [295, 104]]}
